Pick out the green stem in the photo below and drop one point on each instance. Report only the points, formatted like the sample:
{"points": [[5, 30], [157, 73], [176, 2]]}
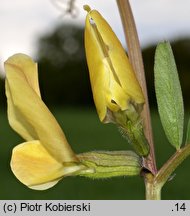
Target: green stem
{"points": [[135, 57], [175, 160], [153, 190], [154, 180], [154, 184]]}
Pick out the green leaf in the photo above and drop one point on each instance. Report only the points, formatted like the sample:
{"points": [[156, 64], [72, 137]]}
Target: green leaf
{"points": [[187, 141], [168, 94]]}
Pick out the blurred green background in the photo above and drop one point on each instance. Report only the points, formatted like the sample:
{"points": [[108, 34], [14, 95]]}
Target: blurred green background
{"points": [[65, 89]]}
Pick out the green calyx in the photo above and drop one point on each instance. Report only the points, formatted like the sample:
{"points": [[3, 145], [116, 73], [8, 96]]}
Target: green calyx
{"points": [[107, 164], [131, 127]]}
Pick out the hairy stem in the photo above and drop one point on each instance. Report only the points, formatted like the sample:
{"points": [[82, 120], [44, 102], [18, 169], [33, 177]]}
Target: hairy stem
{"points": [[175, 160], [135, 57]]}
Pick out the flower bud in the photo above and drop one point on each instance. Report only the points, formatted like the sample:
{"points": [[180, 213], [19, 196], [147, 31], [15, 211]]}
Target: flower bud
{"points": [[117, 94], [113, 81]]}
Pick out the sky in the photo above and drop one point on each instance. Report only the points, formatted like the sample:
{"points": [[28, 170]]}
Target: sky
{"points": [[22, 22]]}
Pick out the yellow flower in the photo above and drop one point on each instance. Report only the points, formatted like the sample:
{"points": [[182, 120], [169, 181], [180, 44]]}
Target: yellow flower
{"points": [[113, 81], [46, 156]]}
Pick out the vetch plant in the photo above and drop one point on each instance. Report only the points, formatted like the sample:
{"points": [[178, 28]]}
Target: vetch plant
{"points": [[120, 96]]}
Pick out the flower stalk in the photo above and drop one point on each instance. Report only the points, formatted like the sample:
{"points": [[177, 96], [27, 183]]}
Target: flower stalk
{"points": [[135, 57]]}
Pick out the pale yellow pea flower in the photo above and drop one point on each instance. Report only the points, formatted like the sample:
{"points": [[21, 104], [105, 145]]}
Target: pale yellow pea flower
{"points": [[45, 157], [113, 81]]}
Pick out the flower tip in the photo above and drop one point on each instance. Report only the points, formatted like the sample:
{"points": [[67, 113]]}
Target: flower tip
{"points": [[18, 58], [87, 8]]}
